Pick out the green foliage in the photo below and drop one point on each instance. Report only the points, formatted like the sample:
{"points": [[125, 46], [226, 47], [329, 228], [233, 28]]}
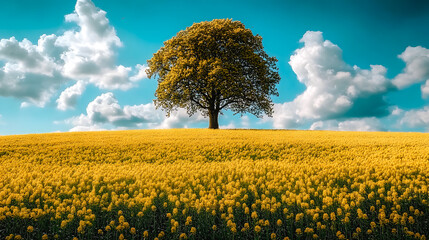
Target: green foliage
{"points": [[212, 66]]}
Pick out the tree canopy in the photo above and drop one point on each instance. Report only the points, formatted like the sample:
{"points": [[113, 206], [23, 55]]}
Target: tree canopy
{"points": [[214, 66]]}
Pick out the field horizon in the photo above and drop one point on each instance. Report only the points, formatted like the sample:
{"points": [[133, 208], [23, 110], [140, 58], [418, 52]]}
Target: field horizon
{"points": [[220, 129]]}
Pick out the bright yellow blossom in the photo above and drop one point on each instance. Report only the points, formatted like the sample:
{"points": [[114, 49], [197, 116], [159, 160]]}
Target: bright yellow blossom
{"points": [[266, 179]]}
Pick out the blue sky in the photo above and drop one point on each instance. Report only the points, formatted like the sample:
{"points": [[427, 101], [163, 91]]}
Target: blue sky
{"points": [[344, 65]]}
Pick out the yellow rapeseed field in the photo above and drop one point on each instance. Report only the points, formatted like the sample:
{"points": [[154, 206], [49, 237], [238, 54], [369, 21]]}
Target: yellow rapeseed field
{"points": [[214, 184]]}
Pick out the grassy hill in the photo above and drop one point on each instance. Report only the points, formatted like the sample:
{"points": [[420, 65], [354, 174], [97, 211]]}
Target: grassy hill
{"points": [[214, 184]]}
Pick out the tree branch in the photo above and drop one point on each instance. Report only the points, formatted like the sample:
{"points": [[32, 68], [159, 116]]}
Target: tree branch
{"points": [[198, 103], [227, 103]]}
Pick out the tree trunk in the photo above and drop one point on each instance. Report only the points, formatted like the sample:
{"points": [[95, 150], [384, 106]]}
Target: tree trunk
{"points": [[214, 124]]}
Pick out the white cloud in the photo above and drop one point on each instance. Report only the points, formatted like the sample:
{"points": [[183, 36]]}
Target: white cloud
{"points": [[141, 74], [106, 113], [333, 88], [425, 89], [34, 73], [180, 119], [69, 96], [90, 51], [362, 124], [396, 111], [416, 69], [28, 73], [106, 109], [245, 122], [417, 118], [285, 116], [332, 85], [231, 125]]}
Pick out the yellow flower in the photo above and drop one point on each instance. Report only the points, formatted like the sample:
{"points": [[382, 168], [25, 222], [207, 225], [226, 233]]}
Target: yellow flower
{"points": [[333, 216], [30, 229], [257, 228], [346, 219], [80, 229], [246, 210], [193, 230], [145, 234], [45, 237], [273, 236], [183, 236], [325, 217], [133, 231]]}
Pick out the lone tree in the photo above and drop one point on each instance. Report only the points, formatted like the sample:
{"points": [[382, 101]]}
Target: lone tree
{"points": [[214, 66]]}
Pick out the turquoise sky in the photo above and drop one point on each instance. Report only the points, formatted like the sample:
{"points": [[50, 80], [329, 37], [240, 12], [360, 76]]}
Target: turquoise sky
{"points": [[344, 65]]}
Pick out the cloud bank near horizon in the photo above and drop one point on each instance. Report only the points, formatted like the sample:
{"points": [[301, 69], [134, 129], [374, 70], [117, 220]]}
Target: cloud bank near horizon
{"points": [[104, 112]]}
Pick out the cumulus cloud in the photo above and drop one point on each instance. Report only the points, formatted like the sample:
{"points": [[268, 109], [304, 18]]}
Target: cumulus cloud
{"points": [[425, 89], [285, 116], [362, 124], [245, 122], [141, 73], [34, 73], [416, 118], [28, 73], [69, 96], [179, 119], [416, 69], [230, 125], [90, 51], [332, 86], [334, 89], [104, 112]]}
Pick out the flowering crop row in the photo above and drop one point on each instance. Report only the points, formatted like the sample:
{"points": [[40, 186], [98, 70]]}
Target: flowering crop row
{"points": [[214, 184]]}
